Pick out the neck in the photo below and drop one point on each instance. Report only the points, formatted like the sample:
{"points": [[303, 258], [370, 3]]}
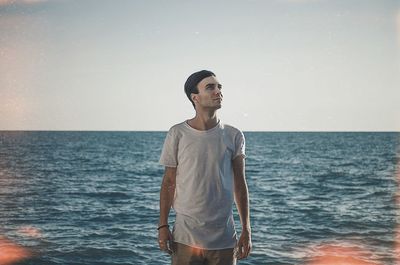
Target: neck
{"points": [[204, 120]]}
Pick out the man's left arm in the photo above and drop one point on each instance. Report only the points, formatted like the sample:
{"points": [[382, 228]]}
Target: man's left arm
{"points": [[242, 203]]}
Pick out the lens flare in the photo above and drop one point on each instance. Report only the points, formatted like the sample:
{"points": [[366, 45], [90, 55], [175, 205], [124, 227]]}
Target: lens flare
{"points": [[196, 251], [340, 254], [11, 253]]}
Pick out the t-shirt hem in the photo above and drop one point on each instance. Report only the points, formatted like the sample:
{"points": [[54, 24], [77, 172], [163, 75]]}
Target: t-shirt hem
{"points": [[242, 155], [168, 165], [206, 248]]}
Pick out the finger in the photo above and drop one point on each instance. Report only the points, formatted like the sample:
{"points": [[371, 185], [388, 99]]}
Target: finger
{"points": [[246, 251], [239, 252], [249, 251], [243, 255], [167, 250], [171, 246], [163, 245]]}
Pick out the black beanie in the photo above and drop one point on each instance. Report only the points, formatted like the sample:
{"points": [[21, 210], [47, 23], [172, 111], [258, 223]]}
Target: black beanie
{"points": [[193, 80]]}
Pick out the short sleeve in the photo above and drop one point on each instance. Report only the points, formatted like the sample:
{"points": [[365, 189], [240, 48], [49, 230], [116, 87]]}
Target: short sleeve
{"points": [[240, 145], [169, 152]]}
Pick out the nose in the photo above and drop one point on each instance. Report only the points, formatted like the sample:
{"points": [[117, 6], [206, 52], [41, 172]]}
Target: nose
{"points": [[218, 92]]}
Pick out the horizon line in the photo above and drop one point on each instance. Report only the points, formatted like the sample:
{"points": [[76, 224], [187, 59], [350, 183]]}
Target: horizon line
{"points": [[265, 131]]}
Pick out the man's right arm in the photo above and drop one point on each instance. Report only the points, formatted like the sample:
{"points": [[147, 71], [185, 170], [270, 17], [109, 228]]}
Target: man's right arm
{"points": [[167, 194]]}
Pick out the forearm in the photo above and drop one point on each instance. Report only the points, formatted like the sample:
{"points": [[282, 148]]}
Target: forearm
{"points": [[244, 244], [242, 204], [166, 198]]}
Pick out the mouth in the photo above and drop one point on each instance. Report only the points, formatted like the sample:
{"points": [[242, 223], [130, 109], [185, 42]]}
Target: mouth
{"points": [[219, 99]]}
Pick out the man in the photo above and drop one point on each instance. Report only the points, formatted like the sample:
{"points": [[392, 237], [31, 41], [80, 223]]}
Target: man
{"points": [[204, 175]]}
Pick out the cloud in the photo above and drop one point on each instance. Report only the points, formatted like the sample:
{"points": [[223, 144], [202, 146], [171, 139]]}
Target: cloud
{"points": [[20, 2], [398, 26], [302, 1]]}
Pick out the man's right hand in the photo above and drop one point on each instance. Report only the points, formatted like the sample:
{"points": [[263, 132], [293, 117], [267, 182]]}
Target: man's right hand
{"points": [[165, 239]]}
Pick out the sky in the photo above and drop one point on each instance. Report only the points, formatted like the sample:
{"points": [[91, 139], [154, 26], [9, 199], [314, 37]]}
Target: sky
{"points": [[285, 65]]}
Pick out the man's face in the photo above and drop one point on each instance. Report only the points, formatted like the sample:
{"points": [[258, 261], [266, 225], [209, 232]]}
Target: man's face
{"points": [[210, 95]]}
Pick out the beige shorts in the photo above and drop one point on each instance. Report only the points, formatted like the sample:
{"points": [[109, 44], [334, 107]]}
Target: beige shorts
{"points": [[186, 255]]}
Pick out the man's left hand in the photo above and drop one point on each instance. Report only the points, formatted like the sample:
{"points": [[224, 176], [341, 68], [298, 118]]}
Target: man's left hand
{"points": [[244, 245]]}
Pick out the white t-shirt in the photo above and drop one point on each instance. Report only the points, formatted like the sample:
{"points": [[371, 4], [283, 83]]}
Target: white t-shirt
{"points": [[204, 183]]}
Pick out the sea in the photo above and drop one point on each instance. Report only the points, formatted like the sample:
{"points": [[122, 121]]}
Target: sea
{"points": [[92, 197]]}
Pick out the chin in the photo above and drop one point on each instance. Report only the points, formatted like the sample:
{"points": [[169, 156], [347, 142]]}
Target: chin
{"points": [[215, 107]]}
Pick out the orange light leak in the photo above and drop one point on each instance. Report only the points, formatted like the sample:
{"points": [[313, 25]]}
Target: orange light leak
{"points": [[196, 251], [330, 254], [341, 255], [11, 253]]}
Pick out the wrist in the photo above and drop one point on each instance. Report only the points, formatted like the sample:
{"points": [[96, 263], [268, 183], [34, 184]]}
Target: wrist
{"points": [[163, 226], [246, 229], [162, 221]]}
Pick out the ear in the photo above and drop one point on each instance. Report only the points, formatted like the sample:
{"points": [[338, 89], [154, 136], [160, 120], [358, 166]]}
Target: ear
{"points": [[193, 97]]}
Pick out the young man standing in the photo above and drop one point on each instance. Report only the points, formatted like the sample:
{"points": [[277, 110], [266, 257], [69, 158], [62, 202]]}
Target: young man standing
{"points": [[204, 175]]}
